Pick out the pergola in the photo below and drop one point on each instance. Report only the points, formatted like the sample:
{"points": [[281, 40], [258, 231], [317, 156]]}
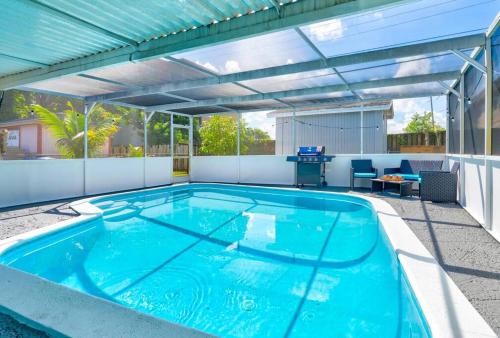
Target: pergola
{"points": [[279, 55]]}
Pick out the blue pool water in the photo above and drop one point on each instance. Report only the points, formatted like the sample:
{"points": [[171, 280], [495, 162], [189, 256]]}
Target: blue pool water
{"points": [[236, 261]]}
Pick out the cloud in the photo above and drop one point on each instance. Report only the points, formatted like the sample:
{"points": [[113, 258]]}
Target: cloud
{"points": [[261, 121], [408, 68], [208, 66], [232, 66], [330, 30]]}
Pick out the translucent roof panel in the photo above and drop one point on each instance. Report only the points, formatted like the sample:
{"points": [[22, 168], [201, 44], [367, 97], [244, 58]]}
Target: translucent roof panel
{"points": [[200, 110], [317, 78], [417, 65], [420, 89], [264, 51], [318, 98], [211, 92], [412, 21], [256, 105], [76, 85], [146, 73], [150, 100]]}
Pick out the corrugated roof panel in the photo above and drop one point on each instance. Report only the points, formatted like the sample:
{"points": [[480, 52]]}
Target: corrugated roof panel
{"points": [[420, 89], [150, 100], [318, 78], [274, 49], [256, 105], [52, 31], [223, 90], [142, 20], [32, 34], [147, 73], [76, 85], [9, 65]]}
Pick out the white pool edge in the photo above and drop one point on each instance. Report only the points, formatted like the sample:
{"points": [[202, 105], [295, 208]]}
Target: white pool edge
{"points": [[447, 311]]}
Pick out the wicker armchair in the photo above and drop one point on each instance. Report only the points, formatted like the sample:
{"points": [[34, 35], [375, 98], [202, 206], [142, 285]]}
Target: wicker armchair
{"points": [[439, 186]]}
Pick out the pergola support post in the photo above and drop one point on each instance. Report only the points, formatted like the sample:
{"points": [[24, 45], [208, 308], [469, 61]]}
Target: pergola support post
{"points": [[462, 139], [362, 124], [87, 109], [238, 143], [191, 145], [488, 118]]}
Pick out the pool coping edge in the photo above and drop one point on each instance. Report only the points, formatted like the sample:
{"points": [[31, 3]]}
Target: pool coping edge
{"points": [[446, 309]]}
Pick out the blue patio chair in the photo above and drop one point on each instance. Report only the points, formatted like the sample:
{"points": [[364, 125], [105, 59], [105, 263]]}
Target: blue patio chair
{"points": [[362, 169]]}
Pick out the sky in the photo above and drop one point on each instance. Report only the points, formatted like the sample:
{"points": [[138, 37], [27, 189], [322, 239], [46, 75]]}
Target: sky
{"points": [[411, 22]]}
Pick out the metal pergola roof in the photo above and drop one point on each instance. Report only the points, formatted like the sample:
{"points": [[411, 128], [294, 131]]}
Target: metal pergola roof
{"points": [[202, 57]]}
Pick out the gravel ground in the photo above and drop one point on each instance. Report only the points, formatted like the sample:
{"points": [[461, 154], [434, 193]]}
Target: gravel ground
{"points": [[466, 251]]}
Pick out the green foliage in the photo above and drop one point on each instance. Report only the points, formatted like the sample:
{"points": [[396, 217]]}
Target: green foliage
{"points": [[3, 141], [135, 151], [219, 136], [68, 129], [422, 124]]}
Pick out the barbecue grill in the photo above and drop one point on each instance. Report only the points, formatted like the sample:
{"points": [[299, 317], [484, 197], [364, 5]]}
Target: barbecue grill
{"points": [[310, 165]]}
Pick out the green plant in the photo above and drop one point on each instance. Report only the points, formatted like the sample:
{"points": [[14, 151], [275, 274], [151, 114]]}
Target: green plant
{"points": [[68, 130], [422, 124]]}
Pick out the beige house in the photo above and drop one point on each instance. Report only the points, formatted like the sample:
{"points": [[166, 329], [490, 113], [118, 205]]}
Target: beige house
{"points": [[28, 139]]}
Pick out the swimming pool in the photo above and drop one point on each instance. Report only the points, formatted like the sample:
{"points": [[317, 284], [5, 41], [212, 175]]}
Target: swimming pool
{"points": [[236, 261]]}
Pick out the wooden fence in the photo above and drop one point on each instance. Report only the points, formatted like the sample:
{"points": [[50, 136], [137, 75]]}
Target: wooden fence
{"points": [[417, 142]]}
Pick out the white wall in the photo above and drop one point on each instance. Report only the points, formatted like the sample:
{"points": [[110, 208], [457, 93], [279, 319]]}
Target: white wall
{"points": [[158, 171], [214, 169], [30, 181], [495, 197], [271, 169], [479, 189], [266, 169]]}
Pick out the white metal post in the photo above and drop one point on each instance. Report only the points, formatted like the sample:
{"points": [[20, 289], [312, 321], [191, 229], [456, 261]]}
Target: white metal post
{"points": [[238, 144], [462, 114], [238, 126], [85, 130], [448, 123], [145, 150], [85, 145], [462, 140], [488, 117], [146, 119], [362, 129], [172, 136], [294, 134], [191, 147]]}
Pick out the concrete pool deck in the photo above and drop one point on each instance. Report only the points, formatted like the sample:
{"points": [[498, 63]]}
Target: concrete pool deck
{"points": [[469, 255]]}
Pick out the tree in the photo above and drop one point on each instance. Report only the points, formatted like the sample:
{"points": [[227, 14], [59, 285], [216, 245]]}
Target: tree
{"points": [[69, 130], [219, 136], [422, 124]]}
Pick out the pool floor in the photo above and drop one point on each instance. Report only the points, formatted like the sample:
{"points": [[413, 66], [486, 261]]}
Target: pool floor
{"points": [[236, 262]]}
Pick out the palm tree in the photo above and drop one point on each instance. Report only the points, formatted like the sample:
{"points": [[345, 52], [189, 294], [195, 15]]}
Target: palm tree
{"points": [[68, 130]]}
